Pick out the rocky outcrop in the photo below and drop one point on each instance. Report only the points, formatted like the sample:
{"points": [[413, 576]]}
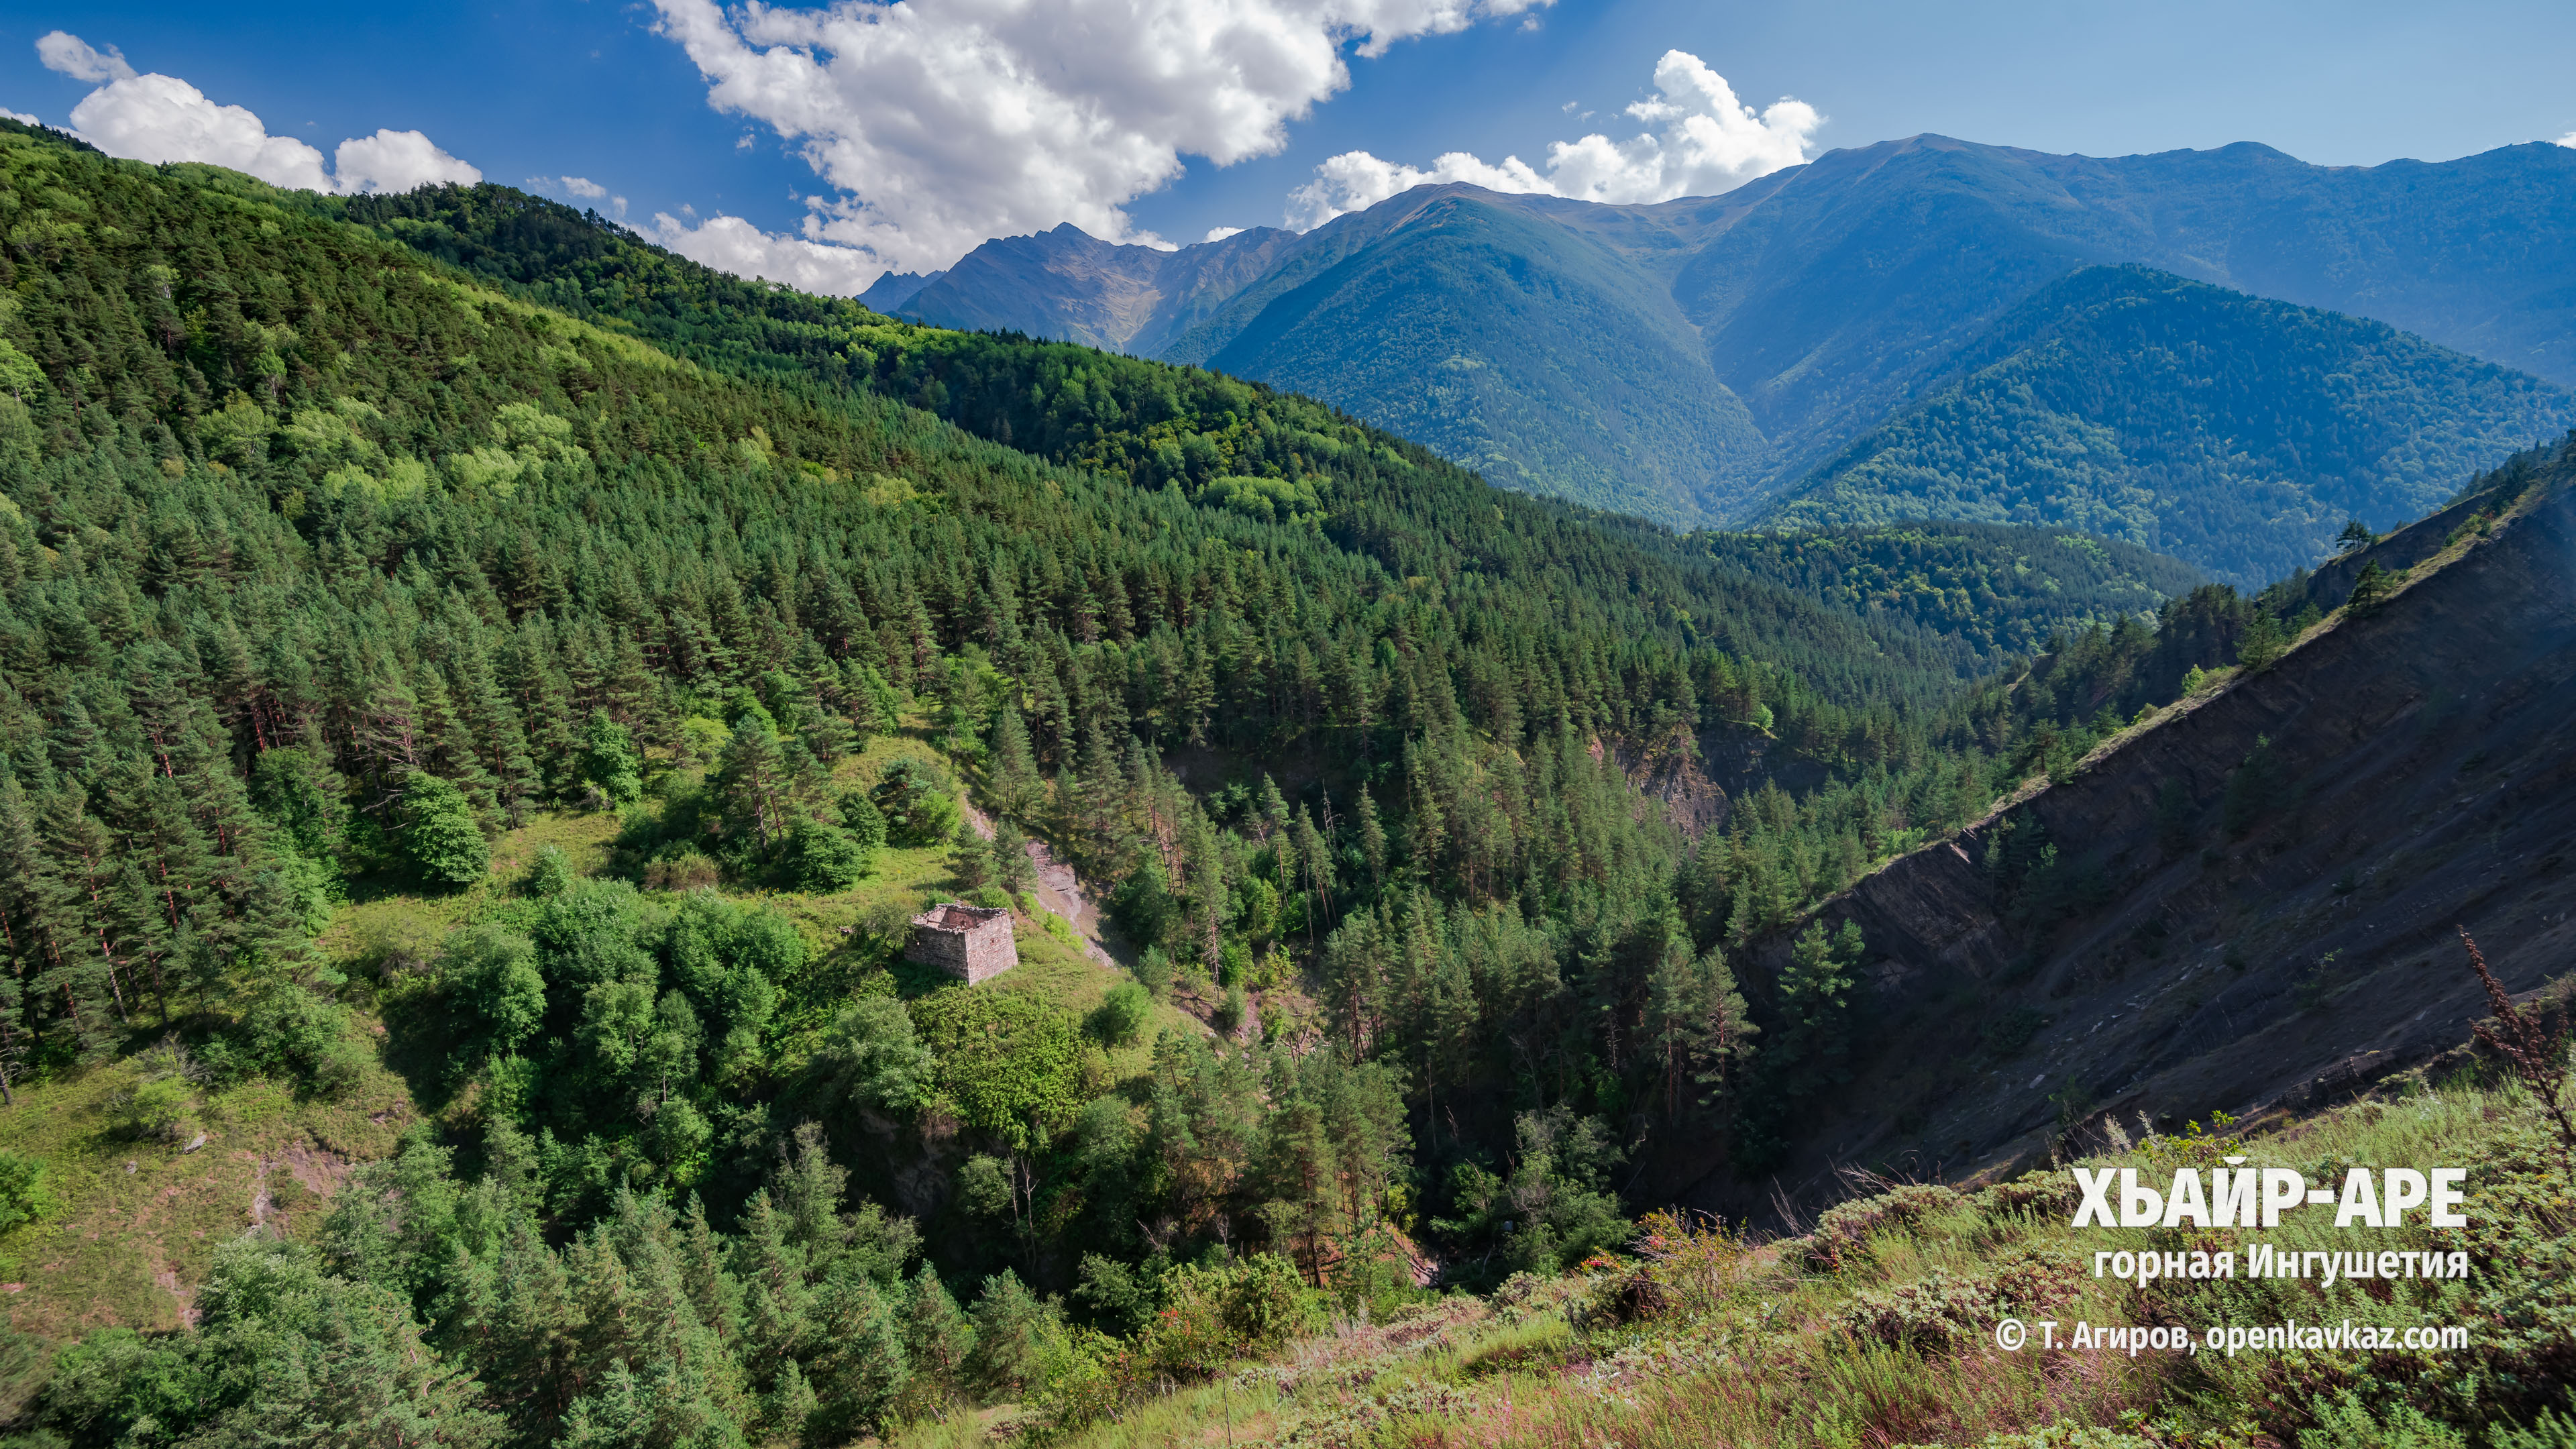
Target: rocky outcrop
{"points": [[1693, 802], [2416, 772]]}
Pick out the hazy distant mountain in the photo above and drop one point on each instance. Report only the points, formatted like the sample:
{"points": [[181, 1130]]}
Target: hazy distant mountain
{"points": [[1689, 359], [889, 292], [1068, 284], [2233, 431]]}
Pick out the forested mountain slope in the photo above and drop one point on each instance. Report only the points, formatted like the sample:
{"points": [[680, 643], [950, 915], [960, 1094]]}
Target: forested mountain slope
{"points": [[337, 582], [1817, 299], [2008, 590], [1159, 425], [2234, 432]]}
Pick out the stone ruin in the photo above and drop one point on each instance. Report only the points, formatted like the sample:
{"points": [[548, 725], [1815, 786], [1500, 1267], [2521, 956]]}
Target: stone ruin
{"points": [[971, 943]]}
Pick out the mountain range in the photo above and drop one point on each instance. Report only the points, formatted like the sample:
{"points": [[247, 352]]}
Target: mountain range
{"points": [[1693, 360]]}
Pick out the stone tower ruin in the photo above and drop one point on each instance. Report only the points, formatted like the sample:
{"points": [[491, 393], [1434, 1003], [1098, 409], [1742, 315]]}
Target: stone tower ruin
{"points": [[971, 943]]}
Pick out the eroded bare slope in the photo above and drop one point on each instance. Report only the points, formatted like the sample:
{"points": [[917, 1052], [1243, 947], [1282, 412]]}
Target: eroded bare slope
{"points": [[2422, 776]]}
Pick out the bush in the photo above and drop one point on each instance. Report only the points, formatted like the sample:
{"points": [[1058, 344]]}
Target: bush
{"points": [[288, 1032], [825, 858], [552, 875], [1842, 1234], [610, 763], [1940, 1311], [490, 973], [2003, 1037], [158, 1109], [1154, 972], [916, 803], [1212, 1315], [1122, 1014], [440, 834], [22, 1188], [680, 868], [2031, 1195], [2254, 788], [1016, 1335], [866, 823]]}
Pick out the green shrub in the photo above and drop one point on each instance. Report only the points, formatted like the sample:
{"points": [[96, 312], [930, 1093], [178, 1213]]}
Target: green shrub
{"points": [[680, 868], [1016, 1336], [916, 801], [286, 1031], [609, 761], [826, 858], [159, 1109], [1009, 1064], [22, 1188], [1940, 1311], [1212, 1315], [490, 973], [1154, 971], [2033, 1194], [2002, 1038], [2370, 589], [1122, 1014], [1843, 1232], [2346, 1422], [866, 823], [552, 874], [440, 834]]}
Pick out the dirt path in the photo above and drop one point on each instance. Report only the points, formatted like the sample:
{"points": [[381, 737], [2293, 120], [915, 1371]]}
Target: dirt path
{"points": [[1060, 891]]}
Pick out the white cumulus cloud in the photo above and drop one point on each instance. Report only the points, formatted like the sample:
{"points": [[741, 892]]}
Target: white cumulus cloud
{"points": [[21, 117], [63, 51], [396, 161], [731, 244], [2567, 140], [580, 187], [154, 117], [1220, 233], [940, 123], [1699, 140]]}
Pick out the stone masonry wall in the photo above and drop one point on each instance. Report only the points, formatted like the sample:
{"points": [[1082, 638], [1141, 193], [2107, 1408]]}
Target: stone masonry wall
{"points": [[969, 942]]}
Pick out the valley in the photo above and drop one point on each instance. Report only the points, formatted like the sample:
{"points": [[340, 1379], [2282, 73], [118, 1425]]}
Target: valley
{"points": [[484, 700]]}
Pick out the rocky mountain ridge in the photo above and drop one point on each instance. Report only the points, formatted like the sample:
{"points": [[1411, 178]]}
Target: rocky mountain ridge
{"points": [[1689, 358]]}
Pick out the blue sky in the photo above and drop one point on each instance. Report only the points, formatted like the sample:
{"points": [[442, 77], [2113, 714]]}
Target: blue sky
{"points": [[589, 88]]}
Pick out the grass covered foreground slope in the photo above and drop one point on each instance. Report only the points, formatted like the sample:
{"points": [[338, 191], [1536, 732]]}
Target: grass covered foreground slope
{"points": [[2237, 433], [1873, 1324]]}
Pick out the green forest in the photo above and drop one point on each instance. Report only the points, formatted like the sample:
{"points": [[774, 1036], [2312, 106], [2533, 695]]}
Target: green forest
{"points": [[344, 539], [2231, 431]]}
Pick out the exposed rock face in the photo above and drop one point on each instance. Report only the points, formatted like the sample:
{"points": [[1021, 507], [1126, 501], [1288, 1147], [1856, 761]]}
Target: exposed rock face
{"points": [[1070, 285], [1694, 802], [2424, 778]]}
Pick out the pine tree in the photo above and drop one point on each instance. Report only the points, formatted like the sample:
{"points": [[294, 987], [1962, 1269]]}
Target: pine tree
{"points": [[1014, 766], [1372, 839]]}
